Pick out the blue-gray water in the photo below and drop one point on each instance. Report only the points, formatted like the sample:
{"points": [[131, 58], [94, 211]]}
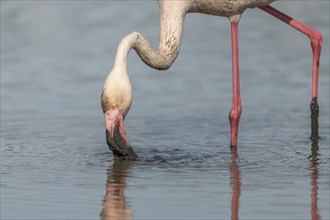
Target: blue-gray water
{"points": [[55, 164]]}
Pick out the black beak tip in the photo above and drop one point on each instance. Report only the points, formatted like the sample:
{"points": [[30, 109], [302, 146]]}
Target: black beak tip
{"points": [[130, 155], [120, 150]]}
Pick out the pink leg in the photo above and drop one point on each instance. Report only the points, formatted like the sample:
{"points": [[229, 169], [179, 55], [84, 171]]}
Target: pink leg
{"points": [[316, 42], [236, 109]]}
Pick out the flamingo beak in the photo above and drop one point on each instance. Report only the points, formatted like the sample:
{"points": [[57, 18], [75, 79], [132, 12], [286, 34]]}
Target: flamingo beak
{"points": [[116, 136]]}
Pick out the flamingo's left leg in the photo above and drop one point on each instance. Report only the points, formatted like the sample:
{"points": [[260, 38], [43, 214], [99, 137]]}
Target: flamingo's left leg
{"points": [[316, 42], [236, 109]]}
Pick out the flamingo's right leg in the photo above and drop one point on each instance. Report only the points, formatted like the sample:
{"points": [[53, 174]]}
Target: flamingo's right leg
{"points": [[236, 109], [316, 42]]}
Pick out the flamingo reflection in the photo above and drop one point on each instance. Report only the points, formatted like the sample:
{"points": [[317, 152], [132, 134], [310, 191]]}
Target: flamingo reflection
{"points": [[314, 176], [115, 204], [235, 181]]}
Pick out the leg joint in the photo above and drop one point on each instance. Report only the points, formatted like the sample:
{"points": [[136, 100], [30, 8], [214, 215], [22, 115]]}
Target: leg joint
{"points": [[316, 39], [235, 112]]}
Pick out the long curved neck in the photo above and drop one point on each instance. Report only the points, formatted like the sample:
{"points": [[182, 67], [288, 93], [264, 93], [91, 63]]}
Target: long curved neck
{"points": [[171, 26]]}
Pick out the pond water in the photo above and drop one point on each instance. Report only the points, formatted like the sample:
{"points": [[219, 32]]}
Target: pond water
{"points": [[55, 164]]}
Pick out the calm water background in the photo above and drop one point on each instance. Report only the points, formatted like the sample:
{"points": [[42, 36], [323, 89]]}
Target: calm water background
{"points": [[55, 164]]}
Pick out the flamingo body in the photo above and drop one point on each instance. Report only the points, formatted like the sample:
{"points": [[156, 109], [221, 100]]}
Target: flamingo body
{"points": [[116, 97]]}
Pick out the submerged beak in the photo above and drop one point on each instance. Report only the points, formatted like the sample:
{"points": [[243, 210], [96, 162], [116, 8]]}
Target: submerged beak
{"points": [[116, 135]]}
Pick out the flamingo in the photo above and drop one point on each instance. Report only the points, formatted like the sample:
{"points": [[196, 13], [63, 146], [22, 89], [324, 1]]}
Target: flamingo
{"points": [[116, 98]]}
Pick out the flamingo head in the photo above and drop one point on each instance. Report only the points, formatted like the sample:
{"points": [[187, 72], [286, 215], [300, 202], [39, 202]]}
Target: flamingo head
{"points": [[116, 100]]}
